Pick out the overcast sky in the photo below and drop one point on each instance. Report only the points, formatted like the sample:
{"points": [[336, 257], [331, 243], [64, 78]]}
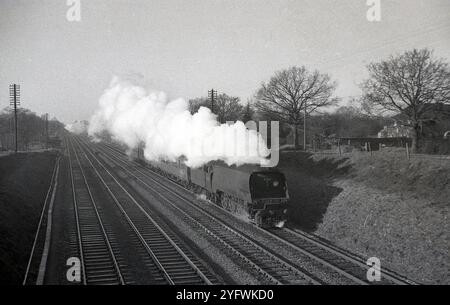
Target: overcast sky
{"points": [[186, 47]]}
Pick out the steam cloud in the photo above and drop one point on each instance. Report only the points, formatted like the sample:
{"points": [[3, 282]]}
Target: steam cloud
{"points": [[77, 127], [167, 130]]}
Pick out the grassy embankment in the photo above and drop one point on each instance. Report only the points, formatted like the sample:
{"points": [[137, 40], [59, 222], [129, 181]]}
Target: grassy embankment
{"points": [[382, 205], [24, 181]]}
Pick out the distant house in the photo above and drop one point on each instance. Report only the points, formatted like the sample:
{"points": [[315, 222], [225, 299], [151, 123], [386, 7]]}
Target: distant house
{"points": [[435, 123], [395, 131]]}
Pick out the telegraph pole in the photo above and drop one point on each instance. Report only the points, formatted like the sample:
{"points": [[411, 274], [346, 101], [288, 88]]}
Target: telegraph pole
{"points": [[46, 130], [212, 94], [304, 129], [14, 101]]}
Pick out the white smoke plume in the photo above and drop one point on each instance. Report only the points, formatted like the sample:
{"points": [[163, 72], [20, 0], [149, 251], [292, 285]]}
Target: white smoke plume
{"points": [[77, 127], [167, 130]]}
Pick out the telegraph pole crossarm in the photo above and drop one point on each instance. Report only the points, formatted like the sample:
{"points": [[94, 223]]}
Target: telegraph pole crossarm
{"points": [[212, 94]]}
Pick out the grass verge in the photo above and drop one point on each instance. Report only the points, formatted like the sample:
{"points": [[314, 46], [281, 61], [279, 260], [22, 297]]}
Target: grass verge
{"points": [[382, 205], [24, 181]]}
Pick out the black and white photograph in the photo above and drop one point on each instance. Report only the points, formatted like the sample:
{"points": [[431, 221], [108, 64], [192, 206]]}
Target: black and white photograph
{"points": [[219, 149]]}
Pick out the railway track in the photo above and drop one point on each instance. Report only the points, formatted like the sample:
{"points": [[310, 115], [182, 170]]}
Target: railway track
{"points": [[174, 264], [98, 260], [271, 268], [347, 264], [343, 260]]}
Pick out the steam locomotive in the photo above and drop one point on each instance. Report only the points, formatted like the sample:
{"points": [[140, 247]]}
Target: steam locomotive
{"points": [[255, 193]]}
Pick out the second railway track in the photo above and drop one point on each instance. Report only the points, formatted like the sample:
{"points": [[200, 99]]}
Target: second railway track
{"points": [[98, 258]]}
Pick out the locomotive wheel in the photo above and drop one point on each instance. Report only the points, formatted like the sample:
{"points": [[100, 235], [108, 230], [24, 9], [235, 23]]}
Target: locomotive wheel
{"points": [[258, 219]]}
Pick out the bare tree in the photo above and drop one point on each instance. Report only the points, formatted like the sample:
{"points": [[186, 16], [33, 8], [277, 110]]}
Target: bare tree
{"points": [[290, 92], [227, 108], [248, 112], [31, 127], [410, 84]]}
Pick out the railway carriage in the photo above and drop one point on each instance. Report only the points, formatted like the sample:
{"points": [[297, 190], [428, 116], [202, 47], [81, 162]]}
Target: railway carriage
{"points": [[255, 193], [176, 170]]}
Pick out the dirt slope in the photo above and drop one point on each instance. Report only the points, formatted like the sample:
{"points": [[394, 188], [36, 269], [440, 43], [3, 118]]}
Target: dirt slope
{"points": [[384, 206]]}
